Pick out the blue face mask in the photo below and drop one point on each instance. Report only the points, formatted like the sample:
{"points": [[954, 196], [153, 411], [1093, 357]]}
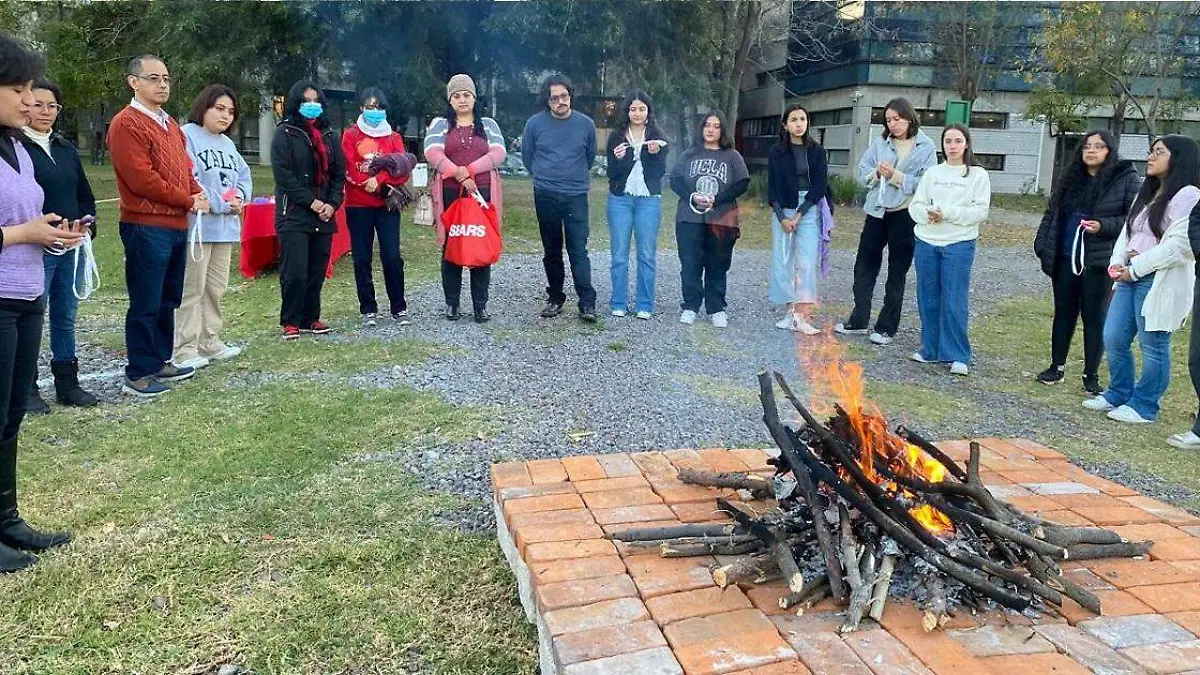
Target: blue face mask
{"points": [[374, 117], [310, 109]]}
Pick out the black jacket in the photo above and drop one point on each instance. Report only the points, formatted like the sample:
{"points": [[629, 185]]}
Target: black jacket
{"points": [[782, 183], [1116, 188], [293, 161], [654, 165], [62, 178], [1194, 235]]}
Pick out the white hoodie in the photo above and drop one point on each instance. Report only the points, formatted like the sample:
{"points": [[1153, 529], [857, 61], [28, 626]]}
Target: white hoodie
{"points": [[963, 200]]}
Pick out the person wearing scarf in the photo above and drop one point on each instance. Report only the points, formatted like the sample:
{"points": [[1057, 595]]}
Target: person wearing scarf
{"points": [[367, 210], [310, 175]]}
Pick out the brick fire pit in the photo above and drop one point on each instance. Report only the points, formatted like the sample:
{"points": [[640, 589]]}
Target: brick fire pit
{"points": [[602, 608]]}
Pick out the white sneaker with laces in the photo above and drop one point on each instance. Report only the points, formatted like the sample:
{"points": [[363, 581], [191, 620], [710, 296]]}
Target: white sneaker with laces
{"points": [[1127, 415], [880, 339], [803, 326], [1188, 440], [618, 313], [196, 363], [1098, 403], [841, 328], [959, 368], [720, 320], [687, 316], [916, 356], [644, 316]]}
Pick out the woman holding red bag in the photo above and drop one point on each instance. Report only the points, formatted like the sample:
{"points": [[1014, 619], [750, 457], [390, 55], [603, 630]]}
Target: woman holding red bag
{"points": [[464, 148]]}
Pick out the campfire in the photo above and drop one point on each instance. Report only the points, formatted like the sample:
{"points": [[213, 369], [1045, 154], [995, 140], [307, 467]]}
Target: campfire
{"points": [[866, 512]]}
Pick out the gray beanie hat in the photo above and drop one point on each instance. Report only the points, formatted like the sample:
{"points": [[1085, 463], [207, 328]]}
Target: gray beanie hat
{"points": [[460, 82]]}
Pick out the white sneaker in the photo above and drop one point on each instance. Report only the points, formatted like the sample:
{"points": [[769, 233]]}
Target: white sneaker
{"points": [[618, 313], [880, 339], [370, 320], [687, 316], [644, 316], [959, 368], [228, 352], [1188, 440], [1127, 415], [1098, 403], [786, 322], [196, 363], [916, 356], [841, 328], [720, 320], [805, 327]]}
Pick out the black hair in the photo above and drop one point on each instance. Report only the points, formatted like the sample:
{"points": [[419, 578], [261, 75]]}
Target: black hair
{"points": [[1183, 170], [134, 67], [373, 93], [968, 154], [652, 129], [451, 114], [556, 80], [207, 99], [906, 111], [295, 96], [785, 137], [18, 65], [1077, 171], [43, 83], [724, 141]]}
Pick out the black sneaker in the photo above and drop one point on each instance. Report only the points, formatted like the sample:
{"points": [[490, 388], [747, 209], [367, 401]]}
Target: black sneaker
{"points": [[401, 318], [1091, 384], [482, 316], [452, 313], [1051, 375], [551, 310], [587, 314]]}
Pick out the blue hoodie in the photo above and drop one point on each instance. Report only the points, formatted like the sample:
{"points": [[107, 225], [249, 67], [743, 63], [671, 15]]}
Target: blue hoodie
{"points": [[217, 166]]}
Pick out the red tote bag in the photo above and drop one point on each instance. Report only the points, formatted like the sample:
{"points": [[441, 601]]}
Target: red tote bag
{"points": [[472, 232]]}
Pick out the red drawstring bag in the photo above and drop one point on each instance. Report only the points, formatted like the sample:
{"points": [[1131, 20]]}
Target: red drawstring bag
{"points": [[472, 232]]}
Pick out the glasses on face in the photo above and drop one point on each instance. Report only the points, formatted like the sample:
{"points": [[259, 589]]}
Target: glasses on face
{"points": [[155, 79], [1158, 152], [560, 98], [1095, 146], [52, 107]]}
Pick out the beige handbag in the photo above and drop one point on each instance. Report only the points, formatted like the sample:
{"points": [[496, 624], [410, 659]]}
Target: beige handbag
{"points": [[423, 213]]}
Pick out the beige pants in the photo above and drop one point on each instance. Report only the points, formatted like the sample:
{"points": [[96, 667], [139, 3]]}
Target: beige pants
{"points": [[198, 319]]}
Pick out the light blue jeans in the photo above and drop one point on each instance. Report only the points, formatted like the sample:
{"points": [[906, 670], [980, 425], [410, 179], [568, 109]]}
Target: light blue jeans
{"points": [[1124, 322], [943, 299], [636, 217], [795, 258]]}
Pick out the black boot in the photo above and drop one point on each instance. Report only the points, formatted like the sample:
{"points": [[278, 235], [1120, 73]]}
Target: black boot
{"points": [[481, 314], [35, 405], [66, 385], [15, 532], [12, 560]]}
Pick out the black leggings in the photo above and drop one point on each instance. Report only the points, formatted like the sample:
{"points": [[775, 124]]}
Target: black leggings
{"points": [[481, 277], [1085, 295], [20, 340]]}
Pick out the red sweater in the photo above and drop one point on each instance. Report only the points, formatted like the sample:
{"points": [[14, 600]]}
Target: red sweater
{"points": [[354, 147], [154, 172]]}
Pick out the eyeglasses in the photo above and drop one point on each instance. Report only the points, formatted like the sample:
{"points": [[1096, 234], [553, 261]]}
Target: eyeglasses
{"points": [[52, 107], [1097, 148], [1155, 154], [560, 98], [155, 79]]}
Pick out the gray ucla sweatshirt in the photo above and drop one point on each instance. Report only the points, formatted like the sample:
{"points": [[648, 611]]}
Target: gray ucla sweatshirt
{"points": [[218, 168]]}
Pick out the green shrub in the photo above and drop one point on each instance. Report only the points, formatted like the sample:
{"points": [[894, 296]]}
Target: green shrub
{"points": [[758, 187], [846, 190]]}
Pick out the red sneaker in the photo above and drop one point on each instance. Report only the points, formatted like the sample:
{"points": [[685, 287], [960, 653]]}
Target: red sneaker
{"points": [[320, 328], [291, 332]]}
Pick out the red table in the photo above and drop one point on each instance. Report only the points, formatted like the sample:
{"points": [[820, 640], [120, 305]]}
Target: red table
{"points": [[260, 245]]}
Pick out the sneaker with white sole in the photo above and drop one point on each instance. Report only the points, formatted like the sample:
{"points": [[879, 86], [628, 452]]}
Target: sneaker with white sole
{"points": [[880, 339], [1127, 415], [370, 320], [803, 326], [720, 320], [916, 356], [1098, 403], [144, 387], [687, 316], [846, 330], [619, 313], [644, 316], [195, 363], [1188, 440], [229, 352], [959, 368], [786, 322]]}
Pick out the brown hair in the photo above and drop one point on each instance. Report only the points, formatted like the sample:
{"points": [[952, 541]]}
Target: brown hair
{"points": [[906, 111], [968, 155], [207, 99]]}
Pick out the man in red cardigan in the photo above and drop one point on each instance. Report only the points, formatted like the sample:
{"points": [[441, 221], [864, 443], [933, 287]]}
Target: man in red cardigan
{"points": [[154, 180]]}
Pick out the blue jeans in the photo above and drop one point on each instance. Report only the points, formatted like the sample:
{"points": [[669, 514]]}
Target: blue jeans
{"points": [[943, 295], [795, 258], [1123, 323], [155, 262], [638, 217], [61, 273]]}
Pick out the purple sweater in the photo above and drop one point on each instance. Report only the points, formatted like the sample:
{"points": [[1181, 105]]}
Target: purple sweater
{"points": [[22, 275]]}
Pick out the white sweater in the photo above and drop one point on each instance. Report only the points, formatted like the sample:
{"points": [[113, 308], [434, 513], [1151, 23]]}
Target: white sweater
{"points": [[963, 200], [1173, 265]]}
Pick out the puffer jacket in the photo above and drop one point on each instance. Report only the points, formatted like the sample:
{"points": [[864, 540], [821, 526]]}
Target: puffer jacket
{"points": [[294, 163], [1118, 185]]}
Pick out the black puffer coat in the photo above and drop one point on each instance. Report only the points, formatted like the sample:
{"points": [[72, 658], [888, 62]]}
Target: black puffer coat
{"points": [[294, 163], [1109, 201]]}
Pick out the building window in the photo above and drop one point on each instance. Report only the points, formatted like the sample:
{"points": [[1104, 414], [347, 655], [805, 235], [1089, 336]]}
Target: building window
{"points": [[989, 120], [829, 118], [932, 118], [759, 126], [839, 157]]}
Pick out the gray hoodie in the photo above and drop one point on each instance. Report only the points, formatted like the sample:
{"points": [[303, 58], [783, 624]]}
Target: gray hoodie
{"points": [[218, 167]]}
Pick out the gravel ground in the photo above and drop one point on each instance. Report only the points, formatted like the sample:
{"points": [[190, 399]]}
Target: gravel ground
{"points": [[557, 387]]}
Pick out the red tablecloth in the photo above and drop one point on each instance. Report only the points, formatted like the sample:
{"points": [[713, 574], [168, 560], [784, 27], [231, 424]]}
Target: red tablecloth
{"points": [[260, 246]]}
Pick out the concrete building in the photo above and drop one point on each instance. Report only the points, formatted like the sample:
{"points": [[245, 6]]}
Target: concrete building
{"points": [[845, 95]]}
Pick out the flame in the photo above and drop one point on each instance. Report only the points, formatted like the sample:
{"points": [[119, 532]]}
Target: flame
{"points": [[833, 378]]}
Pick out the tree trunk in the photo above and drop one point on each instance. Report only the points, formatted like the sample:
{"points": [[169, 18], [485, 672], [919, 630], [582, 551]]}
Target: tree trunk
{"points": [[747, 14]]}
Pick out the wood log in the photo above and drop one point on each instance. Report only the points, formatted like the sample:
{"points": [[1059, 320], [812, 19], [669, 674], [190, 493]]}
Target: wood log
{"points": [[788, 567], [999, 529], [749, 568], [676, 532], [758, 486], [1045, 571], [883, 584], [1070, 536], [692, 541], [935, 611], [804, 480], [677, 549], [793, 599], [859, 602], [1127, 549]]}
